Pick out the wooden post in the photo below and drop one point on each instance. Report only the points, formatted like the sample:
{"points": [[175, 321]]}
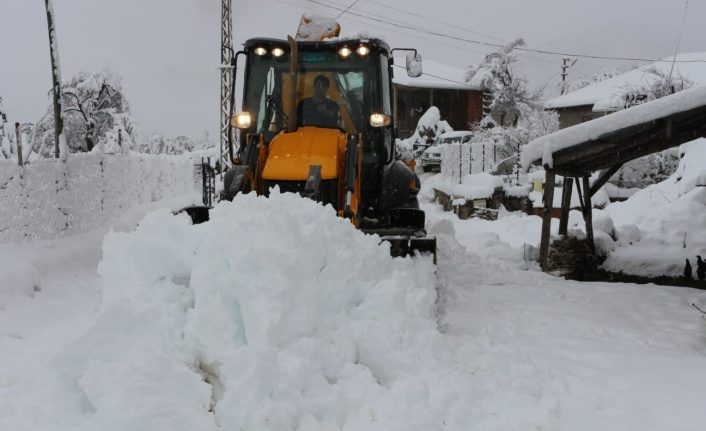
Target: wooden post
{"points": [[566, 205], [588, 213], [547, 218], [19, 144], [120, 138], [56, 77]]}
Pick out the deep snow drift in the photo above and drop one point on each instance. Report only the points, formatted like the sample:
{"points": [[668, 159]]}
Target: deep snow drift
{"points": [[279, 315]]}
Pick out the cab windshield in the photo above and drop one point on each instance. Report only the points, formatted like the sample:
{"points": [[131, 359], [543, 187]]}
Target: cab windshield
{"points": [[352, 85]]}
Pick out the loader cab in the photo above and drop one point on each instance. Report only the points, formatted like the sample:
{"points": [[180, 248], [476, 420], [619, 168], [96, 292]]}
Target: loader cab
{"points": [[359, 76], [348, 163]]}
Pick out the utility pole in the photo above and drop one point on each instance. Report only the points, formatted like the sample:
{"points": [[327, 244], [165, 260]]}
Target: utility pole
{"points": [[227, 89], [56, 76], [564, 73]]}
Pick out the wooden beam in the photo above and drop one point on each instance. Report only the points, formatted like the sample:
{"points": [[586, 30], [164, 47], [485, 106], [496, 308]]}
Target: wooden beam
{"points": [[565, 205], [588, 213], [595, 155], [579, 188], [603, 178], [547, 218], [631, 142]]}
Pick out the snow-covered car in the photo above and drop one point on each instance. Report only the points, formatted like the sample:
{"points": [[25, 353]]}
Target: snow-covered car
{"points": [[431, 157]]}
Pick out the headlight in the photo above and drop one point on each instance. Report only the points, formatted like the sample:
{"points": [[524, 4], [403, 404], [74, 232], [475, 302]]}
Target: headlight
{"points": [[362, 50], [241, 121], [380, 120], [277, 52], [345, 52], [260, 50]]}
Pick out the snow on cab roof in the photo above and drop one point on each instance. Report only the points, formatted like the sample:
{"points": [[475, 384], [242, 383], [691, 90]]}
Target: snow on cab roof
{"points": [[604, 95], [544, 147]]}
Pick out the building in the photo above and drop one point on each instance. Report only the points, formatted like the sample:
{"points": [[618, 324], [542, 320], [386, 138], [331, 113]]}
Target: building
{"points": [[440, 85], [604, 97]]}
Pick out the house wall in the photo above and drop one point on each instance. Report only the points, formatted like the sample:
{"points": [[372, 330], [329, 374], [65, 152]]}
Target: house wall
{"points": [[459, 108], [576, 115]]}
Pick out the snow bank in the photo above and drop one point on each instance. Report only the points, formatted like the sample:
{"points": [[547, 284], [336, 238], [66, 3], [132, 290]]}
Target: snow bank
{"points": [[51, 199], [666, 219], [296, 320]]}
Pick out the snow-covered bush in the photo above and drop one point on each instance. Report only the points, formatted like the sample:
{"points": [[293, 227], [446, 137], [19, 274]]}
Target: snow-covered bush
{"points": [[429, 126], [159, 144]]}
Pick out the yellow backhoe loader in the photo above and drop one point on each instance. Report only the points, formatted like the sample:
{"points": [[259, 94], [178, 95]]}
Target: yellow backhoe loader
{"points": [[345, 158]]}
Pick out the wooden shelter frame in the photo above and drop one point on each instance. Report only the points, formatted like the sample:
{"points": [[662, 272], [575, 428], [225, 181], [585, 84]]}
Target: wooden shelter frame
{"points": [[606, 155]]}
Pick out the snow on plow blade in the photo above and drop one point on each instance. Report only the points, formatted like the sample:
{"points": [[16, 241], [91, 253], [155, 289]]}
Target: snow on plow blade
{"points": [[400, 246], [405, 242]]}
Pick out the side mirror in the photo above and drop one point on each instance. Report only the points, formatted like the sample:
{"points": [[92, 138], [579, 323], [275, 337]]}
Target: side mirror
{"points": [[414, 64]]}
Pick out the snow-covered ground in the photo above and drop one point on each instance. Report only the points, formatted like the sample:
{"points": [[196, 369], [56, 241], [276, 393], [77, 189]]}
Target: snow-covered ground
{"points": [[278, 315]]}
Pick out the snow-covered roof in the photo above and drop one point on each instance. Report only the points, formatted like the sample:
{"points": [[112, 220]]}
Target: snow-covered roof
{"points": [[434, 75], [544, 147], [602, 94]]}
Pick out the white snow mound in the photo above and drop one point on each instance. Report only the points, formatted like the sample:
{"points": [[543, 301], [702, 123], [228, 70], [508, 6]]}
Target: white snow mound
{"points": [[349, 343]]}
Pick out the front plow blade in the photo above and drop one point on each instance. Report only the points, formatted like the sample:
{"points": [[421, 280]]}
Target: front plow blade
{"points": [[407, 246]]}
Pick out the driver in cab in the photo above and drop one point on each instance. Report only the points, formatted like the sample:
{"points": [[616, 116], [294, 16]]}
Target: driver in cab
{"points": [[319, 110]]}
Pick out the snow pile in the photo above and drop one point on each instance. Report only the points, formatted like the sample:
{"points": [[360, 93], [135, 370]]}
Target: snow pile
{"points": [[296, 320], [666, 219], [278, 315], [317, 27], [474, 186]]}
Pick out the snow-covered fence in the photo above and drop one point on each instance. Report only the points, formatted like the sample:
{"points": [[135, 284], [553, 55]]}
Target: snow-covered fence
{"points": [[51, 198], [458, 160]]}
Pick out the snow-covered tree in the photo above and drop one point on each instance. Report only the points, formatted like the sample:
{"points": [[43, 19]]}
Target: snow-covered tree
{"points": [[3, 115], [656, 84], [159, 144], [5, 135], [508, 93], [3, 121], [94, 105], [657, 167], [204, 142], [508, 141]]}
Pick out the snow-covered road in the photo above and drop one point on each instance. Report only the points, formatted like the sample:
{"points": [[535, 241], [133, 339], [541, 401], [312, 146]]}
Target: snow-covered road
{"points": [[303, 323]]}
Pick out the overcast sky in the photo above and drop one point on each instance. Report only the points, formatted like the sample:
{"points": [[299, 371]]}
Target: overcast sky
{"points": [[168, 51]]}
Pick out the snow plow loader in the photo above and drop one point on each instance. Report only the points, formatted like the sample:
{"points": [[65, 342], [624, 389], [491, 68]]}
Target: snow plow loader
{"points": [[317, 120]]}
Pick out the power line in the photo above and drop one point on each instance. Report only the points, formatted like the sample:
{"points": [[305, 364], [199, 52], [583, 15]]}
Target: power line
{"points": [[384, 28], [495, 45], [465, 84], [346, 10], [427, 31], [434, 20]]}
